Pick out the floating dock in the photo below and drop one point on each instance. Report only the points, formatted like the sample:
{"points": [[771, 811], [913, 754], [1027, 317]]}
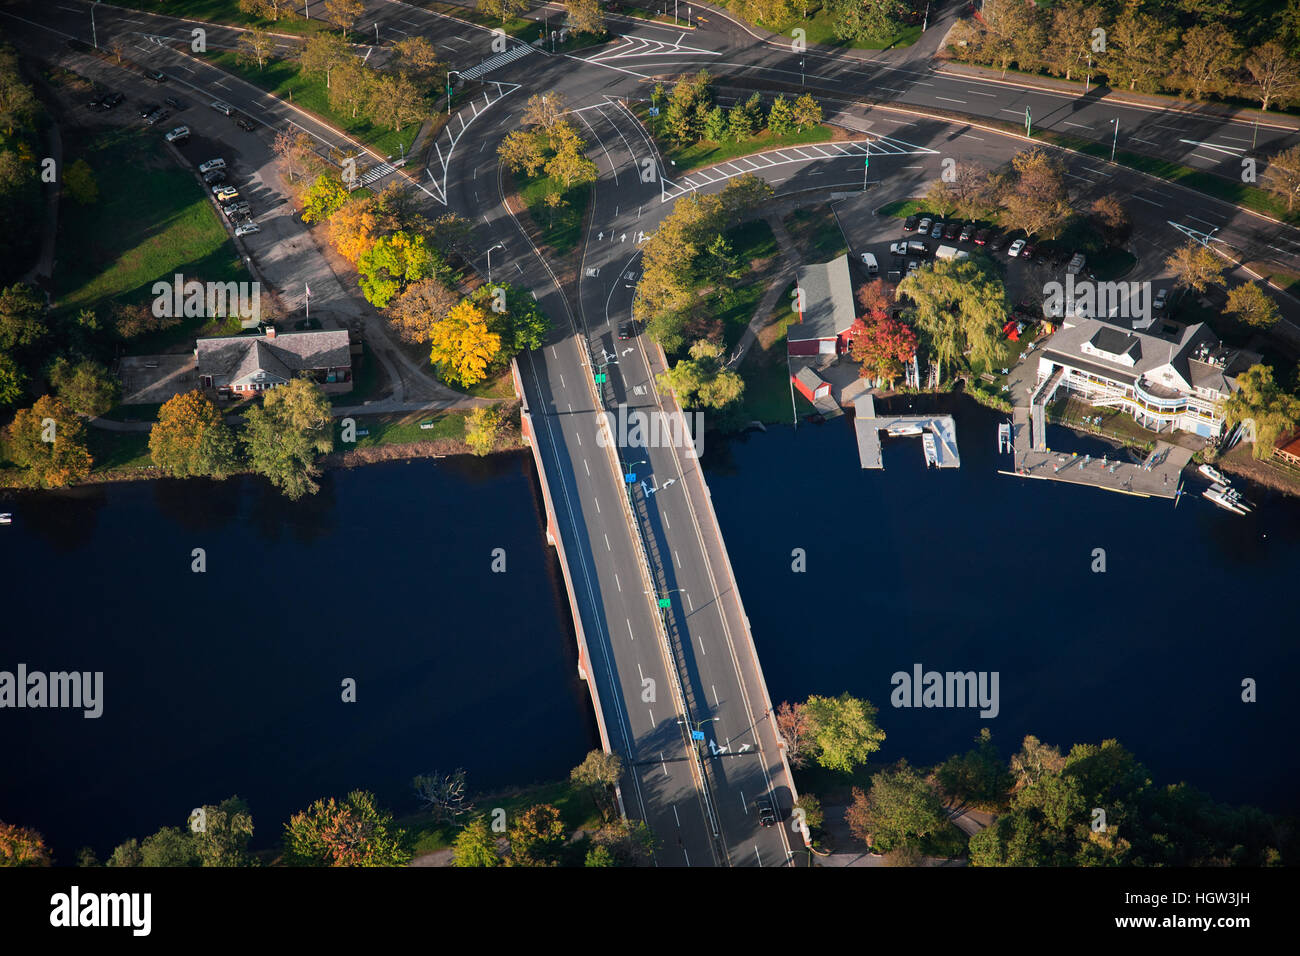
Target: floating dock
{"points": [[938, 434]]}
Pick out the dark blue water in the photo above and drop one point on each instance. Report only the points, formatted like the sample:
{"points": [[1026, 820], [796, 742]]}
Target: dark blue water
{"points": [[971, 570], [229, 681]]}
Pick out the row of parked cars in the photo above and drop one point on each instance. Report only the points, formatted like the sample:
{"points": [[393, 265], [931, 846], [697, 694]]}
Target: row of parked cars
{"points": [[237, 210], [1017, 244]]}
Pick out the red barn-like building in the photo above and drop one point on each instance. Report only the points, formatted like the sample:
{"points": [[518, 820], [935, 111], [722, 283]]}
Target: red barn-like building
{"points": [[826, 309], [811, 385]]}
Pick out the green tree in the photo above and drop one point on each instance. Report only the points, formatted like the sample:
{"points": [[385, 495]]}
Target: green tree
{"points": [[568, 163], [688, 105], [192, 439], [715, 125], [396, 101], [865, 19], [1139, 47], [1259, 398], [79, 181], [1252, 305], [702, 379], [351, 832], [842, 731], [126, 854], [22, 316], [393, 262], [12, 380], [482, 426], [586, 16], [170, 846], [475, 845], [537, 837], [355, 89], [227, 829], [979, 776], [283, 437], [326, 196], [86, 386], [780, 118], [960, 306], [807, 113], [599, 856], [901, 809], [599, 773], [1205, 60], [255, 46], [505, 9], [322, 53]]}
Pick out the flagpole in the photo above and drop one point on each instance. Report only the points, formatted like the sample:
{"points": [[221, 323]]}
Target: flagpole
{"points": [[307, 296]]}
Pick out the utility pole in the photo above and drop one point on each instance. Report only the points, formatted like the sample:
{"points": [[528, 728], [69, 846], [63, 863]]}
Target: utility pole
{"points": [[1115, 141], [376, 33], [94, 36], [489, 254], [1029, 123]]}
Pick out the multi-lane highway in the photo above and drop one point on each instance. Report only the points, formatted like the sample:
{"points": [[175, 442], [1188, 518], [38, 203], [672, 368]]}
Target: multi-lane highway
{"points": [[633, 545]]}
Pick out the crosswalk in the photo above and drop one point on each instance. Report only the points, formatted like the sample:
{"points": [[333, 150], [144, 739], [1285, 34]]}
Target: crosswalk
{"points": [[496, 62], [377, 171]]}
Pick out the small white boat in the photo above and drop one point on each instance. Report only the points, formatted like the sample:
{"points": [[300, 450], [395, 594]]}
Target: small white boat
{"points": [[1209, 471], [6, 519], [1226, 498], [896, 431]]}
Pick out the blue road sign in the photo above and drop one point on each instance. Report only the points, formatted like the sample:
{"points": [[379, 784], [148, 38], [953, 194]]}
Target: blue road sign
{"points": [[697, 735], [630, 478]]}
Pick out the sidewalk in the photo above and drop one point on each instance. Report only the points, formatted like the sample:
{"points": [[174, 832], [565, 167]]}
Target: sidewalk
{"points": [[786, 263]]}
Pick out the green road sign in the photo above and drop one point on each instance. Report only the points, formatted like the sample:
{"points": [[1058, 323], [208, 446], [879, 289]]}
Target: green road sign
{"points": [[664, 602], [600, 378]]}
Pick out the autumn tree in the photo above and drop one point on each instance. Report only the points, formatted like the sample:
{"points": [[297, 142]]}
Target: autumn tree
{"points": [[326, 196], [343, 13], [505, 9], [522, 150], [1282, 176], [806, 113], [960, 306], [1006, 32], [87, 387], [1068, 49], [351, 832], [475, 845], [394, 262], [294, 150], [1038, 199], [1276, 74], [322, 54], [419, 307], [1111, 218], [48, 442], [842, 731], [1252, 305], [354, 228], [792, 724], [587, 16], [254, 46], [396, 101], [1258, 397], [353, 88], [901, 809], [190, 438], [416, 58], [537, 837], [482, 426], [1205, 59], [283, 437], [462, 345], [964, 188], [22, 846], [513, 314], [132, 320], [1195, 267], [882, 346], [545, 110], [703, 379], [599, 774], [568, 163]]}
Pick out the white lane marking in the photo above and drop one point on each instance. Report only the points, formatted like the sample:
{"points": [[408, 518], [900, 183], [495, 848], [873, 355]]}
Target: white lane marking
{"points": [[1147, 141], [978, 93], [758, 855], [607, 547], [678, 557], [1149, 202], [663, 764], [675, 816], [689, 602], [949, 99], [970, 136], [923, 83], [620, 590], [1017, 112], [577, 436], [669, 526], [715, 696], [629, 629], [586, 467], [890, 89], [743, 805], [1206, 221], [562, 385], [597, 500], [1077, 125]]}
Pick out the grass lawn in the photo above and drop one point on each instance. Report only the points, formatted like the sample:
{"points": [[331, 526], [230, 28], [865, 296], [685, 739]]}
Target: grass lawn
{"points": [[151, 221], [683, 159], [561, 228], [282, 78], [402, 429], [816, 232], [526, 30], [767, 375], [227, 11], [735, 303], [117, 450], [498, 386], [819, 27]]}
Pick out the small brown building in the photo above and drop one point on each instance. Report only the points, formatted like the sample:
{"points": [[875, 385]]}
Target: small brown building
{"points": [[236, 365]]}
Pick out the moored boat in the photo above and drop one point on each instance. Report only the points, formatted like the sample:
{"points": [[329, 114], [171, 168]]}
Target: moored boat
{"points": [[1209, 471]]}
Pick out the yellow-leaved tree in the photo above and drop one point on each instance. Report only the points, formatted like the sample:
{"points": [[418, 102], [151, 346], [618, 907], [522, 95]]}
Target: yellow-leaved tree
{"points": [[462, 345], [355, 229]]}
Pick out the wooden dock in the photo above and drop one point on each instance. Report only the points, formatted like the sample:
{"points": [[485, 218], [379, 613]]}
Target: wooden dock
{"points": [[938, 434]]}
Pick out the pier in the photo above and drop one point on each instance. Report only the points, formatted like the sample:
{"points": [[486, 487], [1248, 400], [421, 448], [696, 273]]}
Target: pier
{"points": [[938, 434]]}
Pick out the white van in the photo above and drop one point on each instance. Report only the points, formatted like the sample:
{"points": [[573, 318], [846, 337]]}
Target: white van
{"points": [[873, 267]]}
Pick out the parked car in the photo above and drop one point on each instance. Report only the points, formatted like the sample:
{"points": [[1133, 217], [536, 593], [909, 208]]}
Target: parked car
{"points": [[1028, 251], [236, 210], [157, 76], [178, 135], [898, 248], [97, 104], [222, 107], [967, 231], [996, 241], [913, 266], [981, 237], [917, 248], [215, 177], [247, 228], [937, 231], [111, 100], [211, 164], [245, 124], [157, 116], [1162, 296], [924, 226], [1014, 250], [869, 261], [174, 103], [224, 194], [149, 108], [909, 224], [951, 230]]}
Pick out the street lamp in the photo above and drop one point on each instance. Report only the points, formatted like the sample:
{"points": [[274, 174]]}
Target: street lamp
{"points": [[801, 63], [94, 37], [1115, 141], [449, 73], [699, 724], [376, 32], [489, 255]]}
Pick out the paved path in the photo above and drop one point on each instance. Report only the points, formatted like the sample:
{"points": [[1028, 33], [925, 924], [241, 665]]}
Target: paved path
{"points": [[786, 263]]}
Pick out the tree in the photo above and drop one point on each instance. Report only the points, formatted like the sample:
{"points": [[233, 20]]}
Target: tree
{"points": [[865, 19], [553, 201], [416, 58], [47, 440], [626, 842], [688, 104], [79, 181], [322, 53], [587, 16], [715, 125], [1252, 305], [960, 306], [1205, 60], [599, 772], [12, 380], [396, 101], [190, 439], [394, 262], [254, 46], [86, 387], [882, 345], [807, 112], [537, 837], [355, 89], [702, 379], [131, 321], [1276, 74], [462, 345], [745, 118], [443, 794], [599, 856], [1006, 32], [283, 437], [223, 840], [505, 9], [875, 297], [569, 163], [170, 846], [22, 316], [792, 724], [979, 776], [966, 189], [522, 150], [1259, 398], [813, 814], [482, 426], [545, 110], [354, 228], [343, 13], [1195, 267], [1034, 761], [1038, 199], [1282, 176], [326, 196], [126, 854], [1111, 218], [22, 846], [900, 810], [842, 731], [1139, 48], [351, 832], [780, 118], [420, 306], [1069, 41], [294, 150], [475, 845]]}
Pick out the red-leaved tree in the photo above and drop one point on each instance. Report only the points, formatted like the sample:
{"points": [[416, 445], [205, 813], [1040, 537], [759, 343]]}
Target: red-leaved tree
{"points": [[882, 345]]}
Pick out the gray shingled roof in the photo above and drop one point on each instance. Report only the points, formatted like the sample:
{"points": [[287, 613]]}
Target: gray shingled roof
{"points": [[237, 357], [827, 301]]}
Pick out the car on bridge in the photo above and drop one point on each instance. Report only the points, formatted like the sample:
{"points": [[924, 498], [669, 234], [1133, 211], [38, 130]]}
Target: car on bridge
{"points": [[766, 812]]}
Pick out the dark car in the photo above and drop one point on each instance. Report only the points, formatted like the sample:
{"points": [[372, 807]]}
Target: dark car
{"points": [[909, 225], [967, 231], [951, 230], [1029, 251], [156, 75], [981, 237], [112, 100], [996, 241], [174, 103], [157, 116], [627, 330], [149, 108], [214, 177], [245, 124], [766, 814], [96, 105]]}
